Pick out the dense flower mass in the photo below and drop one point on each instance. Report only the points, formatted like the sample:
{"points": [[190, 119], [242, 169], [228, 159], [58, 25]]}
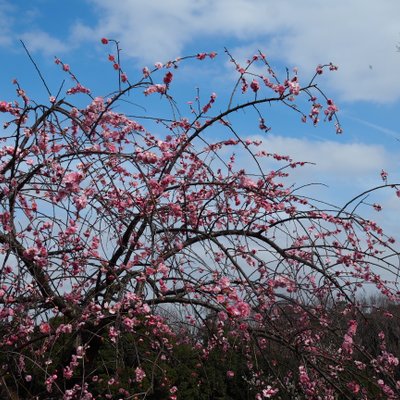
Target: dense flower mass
{"points": [[137, 249]]}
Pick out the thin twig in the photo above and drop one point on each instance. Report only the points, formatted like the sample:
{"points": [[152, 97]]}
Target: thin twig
{"points": [[36, 67]]}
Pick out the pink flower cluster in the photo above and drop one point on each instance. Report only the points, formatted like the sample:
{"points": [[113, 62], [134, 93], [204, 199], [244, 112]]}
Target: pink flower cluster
{"points": [[155, 89]]}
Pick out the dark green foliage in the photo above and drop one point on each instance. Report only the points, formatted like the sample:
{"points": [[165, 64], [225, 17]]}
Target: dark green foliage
{"points": [[190, 363]]}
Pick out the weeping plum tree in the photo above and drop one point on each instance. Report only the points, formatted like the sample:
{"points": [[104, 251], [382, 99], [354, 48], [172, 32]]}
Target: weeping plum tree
{"points": [[130, 244]]}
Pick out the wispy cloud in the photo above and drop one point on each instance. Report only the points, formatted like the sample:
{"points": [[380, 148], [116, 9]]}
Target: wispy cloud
{"points": [[296, 33], [352, 167], [340, 172], [389, 132], [6, 23], [39, 41], [332, 155], [303, 34], [19, 22]]}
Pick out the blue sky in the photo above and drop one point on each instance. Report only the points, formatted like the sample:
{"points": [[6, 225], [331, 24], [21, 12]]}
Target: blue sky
{"points": [[358, 36]]}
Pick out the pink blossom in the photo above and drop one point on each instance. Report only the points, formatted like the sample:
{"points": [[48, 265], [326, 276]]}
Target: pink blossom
{"points": [[68, 372], [163, 269], [64, 328], [222, 316], [72, 180], [139, 374], [243, 308], [113, 334], [354, 387], [240, 309], [247, 183], [269, 392], [220, 298], [80, 202], [333, 67], [146, 72], [45, 328], [377, 207], [255, 86], [279, 89], [230, 374], [225, 282], [155, 89], [331, 109], [4, 106], [78, 89], [352, 327], [294, 86], [31, 252], [147, 157], [49, 382], [347, 345]]}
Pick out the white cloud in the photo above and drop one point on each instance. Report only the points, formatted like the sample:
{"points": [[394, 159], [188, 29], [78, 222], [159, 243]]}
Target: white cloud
{"points": [[341, 172], [353, 34], [6, 23], [361, 38], [20, 22], [330, 156], [394, 134], [39, 41], [346, 169]]}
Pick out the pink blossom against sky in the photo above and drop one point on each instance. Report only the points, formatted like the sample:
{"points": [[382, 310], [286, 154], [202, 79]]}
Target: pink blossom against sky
{"points": [[360, 37]]}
